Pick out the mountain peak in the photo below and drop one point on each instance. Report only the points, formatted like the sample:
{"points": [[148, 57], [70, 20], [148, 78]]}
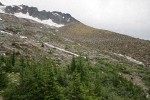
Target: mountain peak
{"points": [[54, 17]]}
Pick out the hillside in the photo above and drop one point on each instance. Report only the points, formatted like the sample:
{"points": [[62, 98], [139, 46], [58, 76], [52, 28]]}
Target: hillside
{"points": [[75, 61], [110, 41]]}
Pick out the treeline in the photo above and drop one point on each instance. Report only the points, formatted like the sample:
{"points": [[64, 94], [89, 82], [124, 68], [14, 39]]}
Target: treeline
{"points": [[80, 80]]}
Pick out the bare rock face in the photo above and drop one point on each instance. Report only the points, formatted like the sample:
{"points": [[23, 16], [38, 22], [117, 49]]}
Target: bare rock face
{"points": [[1, 4], [55, 16]]}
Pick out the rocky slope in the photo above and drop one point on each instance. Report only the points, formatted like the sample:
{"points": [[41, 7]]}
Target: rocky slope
{"points": [[73, 32], [27, 37], [110, 41]]}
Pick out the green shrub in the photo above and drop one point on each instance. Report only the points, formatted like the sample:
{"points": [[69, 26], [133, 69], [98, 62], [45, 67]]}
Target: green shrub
{"points": [[3, 79], [81, 80]]}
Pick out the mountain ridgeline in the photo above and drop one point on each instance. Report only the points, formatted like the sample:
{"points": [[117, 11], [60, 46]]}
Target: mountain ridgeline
{"points": [[55, 16]]}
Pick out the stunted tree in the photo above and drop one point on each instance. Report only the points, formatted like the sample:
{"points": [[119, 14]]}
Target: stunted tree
{"points": [[13, 59], [73, 65], [52, 91], [3, 79], [76, 88], [37, 82]]}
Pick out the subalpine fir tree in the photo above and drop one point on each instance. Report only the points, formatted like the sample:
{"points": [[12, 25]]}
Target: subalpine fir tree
{"points": [[2, 59], [13, 59], [3, 79], [76, 89], [52, 91], [73, 65]]}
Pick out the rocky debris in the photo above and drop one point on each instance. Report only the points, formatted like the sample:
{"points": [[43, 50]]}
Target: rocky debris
{"points": [[137, 81], [1, 98], [78, 38], [108, 41]]}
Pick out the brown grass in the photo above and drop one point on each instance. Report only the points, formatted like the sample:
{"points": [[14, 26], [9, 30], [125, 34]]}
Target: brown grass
{"points": [[110, 41]]}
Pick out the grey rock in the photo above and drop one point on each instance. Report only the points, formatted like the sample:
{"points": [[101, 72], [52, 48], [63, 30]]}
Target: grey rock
{"points": [[1, 4], [55, 16]]}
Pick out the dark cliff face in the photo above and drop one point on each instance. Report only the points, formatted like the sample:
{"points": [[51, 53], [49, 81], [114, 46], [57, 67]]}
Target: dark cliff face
{"points": [[1, 4], [55, 16]]}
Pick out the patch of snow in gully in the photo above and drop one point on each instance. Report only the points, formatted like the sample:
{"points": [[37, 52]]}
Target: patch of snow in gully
{"points": [[2, 8], [6, 33], [60, 49], [130, 59], [23, 37], [48, 22]]}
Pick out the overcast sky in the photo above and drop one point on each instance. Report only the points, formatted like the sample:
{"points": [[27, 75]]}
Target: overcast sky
{"points": [[131, 17]]}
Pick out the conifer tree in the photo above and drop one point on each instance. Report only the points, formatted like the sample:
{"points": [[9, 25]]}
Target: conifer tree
{"points": [[76, 89], [73, 65], [3, 79], [52, 91], [13, 60]]}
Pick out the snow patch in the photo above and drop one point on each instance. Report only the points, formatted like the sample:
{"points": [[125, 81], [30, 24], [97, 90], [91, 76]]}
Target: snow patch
{"points": [[68, 20], [130, 59], [55, 14], [2, 9], [133, 60], [23, 37], [13, 6], [68, 40], [53, 34], [48, 22], [2, 53], [1, 19], [60, 49], [27, 16], [20, 7], [6, 33]]}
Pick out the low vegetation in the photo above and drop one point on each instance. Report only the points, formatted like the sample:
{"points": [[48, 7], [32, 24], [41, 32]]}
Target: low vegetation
{"points": [[80, 80]]}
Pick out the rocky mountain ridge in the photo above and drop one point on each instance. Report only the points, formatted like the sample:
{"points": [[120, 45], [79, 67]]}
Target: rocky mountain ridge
{"points": [[55, 16]]}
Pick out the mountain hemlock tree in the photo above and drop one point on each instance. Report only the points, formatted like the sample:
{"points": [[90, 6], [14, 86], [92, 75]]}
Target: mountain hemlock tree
{"points": [[13, 59]]}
